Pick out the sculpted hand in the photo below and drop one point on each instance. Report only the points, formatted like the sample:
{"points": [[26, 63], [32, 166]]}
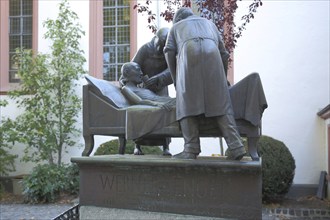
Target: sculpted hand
{"points": [[151, 83], [165, 106], [162, 106], [169, 106]]}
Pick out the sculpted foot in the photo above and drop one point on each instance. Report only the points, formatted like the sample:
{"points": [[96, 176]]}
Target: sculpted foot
{"points": [[166, 152], [185, 155], [236, 154], [137, 150]]}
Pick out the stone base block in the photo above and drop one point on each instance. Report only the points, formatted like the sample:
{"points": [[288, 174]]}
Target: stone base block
{"points": [[207, 186]]}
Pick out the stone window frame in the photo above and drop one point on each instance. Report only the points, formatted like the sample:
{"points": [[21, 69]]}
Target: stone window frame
{"points": [[5, 84]]}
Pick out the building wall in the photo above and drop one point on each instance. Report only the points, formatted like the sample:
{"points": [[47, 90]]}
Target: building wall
{"points": [[288, 45]]}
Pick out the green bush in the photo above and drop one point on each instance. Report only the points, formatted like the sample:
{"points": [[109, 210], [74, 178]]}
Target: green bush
{"points": [[46, 182], [111, 147], [278, 168]]}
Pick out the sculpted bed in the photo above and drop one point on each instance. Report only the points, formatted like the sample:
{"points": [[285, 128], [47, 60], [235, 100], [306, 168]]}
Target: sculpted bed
{"points": [[107, 112]]}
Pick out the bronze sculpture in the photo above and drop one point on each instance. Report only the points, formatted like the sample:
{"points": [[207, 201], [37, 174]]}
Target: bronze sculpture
{"points": [[129, 81], [196, 57], [151, 60]]}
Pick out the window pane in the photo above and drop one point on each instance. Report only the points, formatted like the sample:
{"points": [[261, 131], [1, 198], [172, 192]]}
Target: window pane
{"points": [[110, 72], [109, 36], [15, 25], [123, 2], [109, 55], [109, 17], [106, 72], [27, 7], [123, 54], [109, 3], [12, 63], [123, 35], [112, 55], [13, 77], [119, 65], [14, 8], [123, 16], [27, 25], [106, 55], [27, 41], [14, 42]]}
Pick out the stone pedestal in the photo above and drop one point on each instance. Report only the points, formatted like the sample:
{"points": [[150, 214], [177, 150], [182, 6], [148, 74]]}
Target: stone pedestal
{"points": [[206, 186]]}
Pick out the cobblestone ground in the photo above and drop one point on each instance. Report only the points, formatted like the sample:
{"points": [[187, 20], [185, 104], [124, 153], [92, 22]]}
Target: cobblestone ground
{"points": [[296, 214], [305, 208], [36, 212], [47, 212]]}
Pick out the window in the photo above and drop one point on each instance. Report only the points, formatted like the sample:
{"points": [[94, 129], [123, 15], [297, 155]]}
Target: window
{"points": [[20, 31], [116, 37], [18, 23], [112, 37]]}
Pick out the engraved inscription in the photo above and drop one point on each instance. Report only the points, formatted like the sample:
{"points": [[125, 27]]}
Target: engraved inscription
{"points": [[149, 184]]}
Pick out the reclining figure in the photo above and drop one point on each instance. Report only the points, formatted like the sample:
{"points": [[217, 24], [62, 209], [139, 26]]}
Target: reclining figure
{"points": [[131, 77]]}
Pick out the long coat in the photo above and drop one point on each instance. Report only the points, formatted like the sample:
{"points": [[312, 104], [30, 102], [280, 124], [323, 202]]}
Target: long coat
{"points": [[201, 84]]}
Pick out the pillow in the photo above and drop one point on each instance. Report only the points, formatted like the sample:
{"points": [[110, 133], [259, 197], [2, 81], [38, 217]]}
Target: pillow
{"points": [[108, 90]]}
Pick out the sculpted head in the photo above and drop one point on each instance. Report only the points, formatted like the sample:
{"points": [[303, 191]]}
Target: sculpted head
{"points": [[131, 72], [160, 39], [182, 13]]}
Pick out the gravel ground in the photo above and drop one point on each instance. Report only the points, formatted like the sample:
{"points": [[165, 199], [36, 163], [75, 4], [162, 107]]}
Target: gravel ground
{"points": [[13, 208], [27, 211], [50, 211], [47, 212]]}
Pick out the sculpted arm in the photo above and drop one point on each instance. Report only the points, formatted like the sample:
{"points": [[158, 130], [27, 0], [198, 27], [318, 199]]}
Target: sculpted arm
{"points": [[170, 51], [137, 100], [130, 95], [224, 54], [170, 57]]}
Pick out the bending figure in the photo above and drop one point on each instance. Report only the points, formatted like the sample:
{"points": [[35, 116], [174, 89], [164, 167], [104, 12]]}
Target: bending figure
{"points": [[152, 62]]}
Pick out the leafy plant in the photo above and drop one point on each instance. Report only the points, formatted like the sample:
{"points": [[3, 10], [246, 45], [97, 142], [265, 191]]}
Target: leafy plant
{"points": [[111, 147], [47, 92], [6, 159], [47, 181], [221, 12]]}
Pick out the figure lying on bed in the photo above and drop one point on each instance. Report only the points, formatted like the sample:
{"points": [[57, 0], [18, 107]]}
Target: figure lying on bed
{"points": [[129, 81]]}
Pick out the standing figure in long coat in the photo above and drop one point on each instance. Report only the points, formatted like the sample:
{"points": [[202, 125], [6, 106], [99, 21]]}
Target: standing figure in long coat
{"points": [[196, 56]]}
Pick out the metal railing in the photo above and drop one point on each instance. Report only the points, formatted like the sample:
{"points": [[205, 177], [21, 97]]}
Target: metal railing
{"points": [[70, 214]]}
